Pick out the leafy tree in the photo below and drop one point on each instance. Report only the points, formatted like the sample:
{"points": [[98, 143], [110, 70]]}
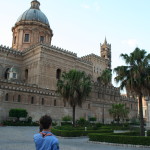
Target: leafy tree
{"points": [[105, 77], [135, 77], [119, 111], [74, 86], [18, 113]]}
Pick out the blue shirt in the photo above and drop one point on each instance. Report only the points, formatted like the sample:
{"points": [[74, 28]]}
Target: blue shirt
{"points": [[47, 142]]}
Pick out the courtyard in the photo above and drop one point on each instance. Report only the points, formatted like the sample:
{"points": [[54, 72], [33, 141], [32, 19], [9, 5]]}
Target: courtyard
{"points": [[21, 138]]}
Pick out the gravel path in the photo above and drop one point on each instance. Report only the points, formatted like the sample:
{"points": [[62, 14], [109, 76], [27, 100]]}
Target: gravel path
{"points": [[21, 138]]}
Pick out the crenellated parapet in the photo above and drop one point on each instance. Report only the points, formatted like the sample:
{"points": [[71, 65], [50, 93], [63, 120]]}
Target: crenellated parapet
{"points": [[84, 61], [93, 56], [50, 48], [9, 50], [127, 98]]}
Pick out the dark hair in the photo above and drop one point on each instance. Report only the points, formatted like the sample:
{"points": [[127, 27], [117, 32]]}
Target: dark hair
{"points": [[45, 122]]}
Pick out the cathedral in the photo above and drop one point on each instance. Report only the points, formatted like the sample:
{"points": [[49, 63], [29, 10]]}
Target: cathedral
{"points": [[29, 71]]}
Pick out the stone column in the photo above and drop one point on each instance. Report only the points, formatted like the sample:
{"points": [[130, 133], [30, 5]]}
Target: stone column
{"points": [[148, 115]]}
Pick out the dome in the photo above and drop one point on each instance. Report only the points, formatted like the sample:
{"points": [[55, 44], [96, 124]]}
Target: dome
{"points": [[34, 14]]}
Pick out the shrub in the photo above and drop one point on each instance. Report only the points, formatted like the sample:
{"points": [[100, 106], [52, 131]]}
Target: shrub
{"points": [[122, 139], [66, 123], [67, 118], [92, 119], [20, 123], [18, 113], [132, 133], [82, 122], [29, 119], [67, 133], [54, 123], [70, 132]]}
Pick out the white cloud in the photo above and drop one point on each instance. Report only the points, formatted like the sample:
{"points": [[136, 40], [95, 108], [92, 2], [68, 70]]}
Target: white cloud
{"points": [[85, 6], [96, 6], [130, 42], [88, 5]]}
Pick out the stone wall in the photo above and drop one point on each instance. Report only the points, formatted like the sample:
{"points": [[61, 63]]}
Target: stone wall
{"points": [[39, 101]]}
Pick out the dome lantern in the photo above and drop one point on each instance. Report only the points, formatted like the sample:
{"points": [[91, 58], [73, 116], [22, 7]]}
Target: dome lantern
{"points": [[35, 4]]}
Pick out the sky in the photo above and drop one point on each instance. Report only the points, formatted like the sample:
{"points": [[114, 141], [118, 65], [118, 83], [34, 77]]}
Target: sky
{"points": [[81, 25]]}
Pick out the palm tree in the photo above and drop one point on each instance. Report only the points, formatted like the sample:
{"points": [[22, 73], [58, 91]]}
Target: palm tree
{"points": [[74, 86], [135, 77], [105, 77], [119, 111]]}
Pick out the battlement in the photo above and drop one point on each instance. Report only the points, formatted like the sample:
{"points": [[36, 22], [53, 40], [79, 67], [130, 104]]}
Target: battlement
{"points": [[9, 50], [55, 48], [84, 61], [87, 57], [59, 50]]}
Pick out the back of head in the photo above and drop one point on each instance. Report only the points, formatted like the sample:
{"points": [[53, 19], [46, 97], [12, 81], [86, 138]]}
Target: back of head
{"points": [[45, 122]]}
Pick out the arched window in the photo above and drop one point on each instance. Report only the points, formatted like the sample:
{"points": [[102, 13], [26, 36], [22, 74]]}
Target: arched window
{"points": [[42, 101], [55, 102], [58, 73], [65, 104], [6, 97], [41, 39], [131, 106], [14, 39], [13, 98], [6, 75], [89, 106], [32, 100], [26, 74], [19, 98], [26, 38]]}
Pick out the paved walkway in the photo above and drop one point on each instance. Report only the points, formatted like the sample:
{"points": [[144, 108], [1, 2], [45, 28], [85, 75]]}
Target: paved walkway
{"points": [[21, 138]]}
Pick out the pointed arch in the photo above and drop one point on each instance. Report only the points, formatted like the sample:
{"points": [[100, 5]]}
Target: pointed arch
{"points": [[58, 73]]}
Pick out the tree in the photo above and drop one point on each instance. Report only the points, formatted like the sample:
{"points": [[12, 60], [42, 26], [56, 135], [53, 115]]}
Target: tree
{"points": [[135, 77], [119, 111], [105, 77], [74, 86], [18, 113]]}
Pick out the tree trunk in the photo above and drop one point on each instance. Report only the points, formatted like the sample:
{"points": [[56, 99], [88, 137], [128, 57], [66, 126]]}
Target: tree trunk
{"points": [[141, 116], [118, 119], [73, 113]]}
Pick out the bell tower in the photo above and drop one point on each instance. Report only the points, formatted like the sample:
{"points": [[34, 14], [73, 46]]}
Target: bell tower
{"points": [[106, 52]]}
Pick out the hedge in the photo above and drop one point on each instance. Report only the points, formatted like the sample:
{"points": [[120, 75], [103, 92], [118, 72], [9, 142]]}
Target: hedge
{"points": [[75, 133], [121, 139], [19, 123]]}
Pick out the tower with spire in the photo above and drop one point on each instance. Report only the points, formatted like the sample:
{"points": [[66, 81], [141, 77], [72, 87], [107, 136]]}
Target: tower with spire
{"points": [[105, 52]]}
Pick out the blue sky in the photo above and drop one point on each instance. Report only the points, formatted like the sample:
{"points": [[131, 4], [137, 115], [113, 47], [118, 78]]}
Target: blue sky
{"points": [[81, 25]]}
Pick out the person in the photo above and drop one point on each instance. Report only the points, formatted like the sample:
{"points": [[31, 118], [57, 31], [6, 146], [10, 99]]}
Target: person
{"points": [[45, 140]]}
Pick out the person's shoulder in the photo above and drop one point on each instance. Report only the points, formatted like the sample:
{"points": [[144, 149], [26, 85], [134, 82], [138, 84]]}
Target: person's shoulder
{"points": [[55, 139], [36, 135]]}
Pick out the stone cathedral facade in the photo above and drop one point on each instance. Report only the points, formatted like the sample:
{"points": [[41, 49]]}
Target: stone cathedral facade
{"points": [[29, 71]]}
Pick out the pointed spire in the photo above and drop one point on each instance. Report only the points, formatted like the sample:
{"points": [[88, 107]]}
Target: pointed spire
{"points": [[105, 42]]}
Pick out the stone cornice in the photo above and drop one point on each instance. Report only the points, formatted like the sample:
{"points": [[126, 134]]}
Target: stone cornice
{"points": [[36, 23], [27, 88]]}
